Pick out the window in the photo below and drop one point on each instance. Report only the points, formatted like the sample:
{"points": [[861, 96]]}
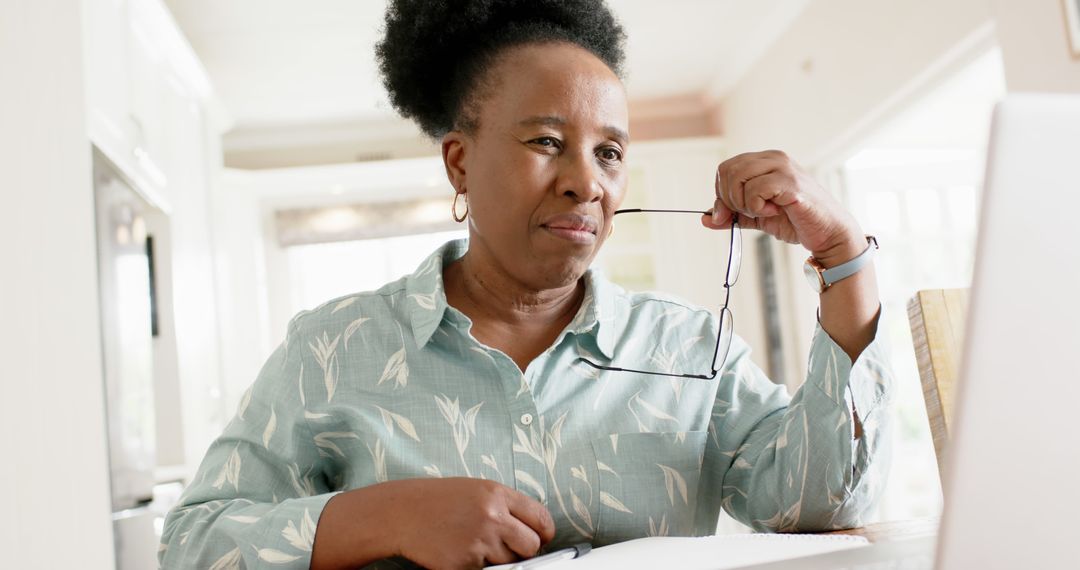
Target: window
{"points": [[916, 184], [322, 271]]}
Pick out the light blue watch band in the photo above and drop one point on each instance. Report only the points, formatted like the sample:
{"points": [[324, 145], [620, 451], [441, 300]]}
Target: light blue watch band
{"points": [[849, 268]]}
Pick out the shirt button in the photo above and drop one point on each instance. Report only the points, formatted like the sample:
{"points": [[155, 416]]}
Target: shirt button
{"points": [[526, 419]]}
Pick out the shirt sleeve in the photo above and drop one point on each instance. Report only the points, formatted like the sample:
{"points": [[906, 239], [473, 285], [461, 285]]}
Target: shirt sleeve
{"points": [[256, 499], [793, 464]]}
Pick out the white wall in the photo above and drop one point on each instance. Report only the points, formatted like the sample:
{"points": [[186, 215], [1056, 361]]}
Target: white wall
{"points": [[1035, 46], [55, 467], [239, 263], [840, 63]]}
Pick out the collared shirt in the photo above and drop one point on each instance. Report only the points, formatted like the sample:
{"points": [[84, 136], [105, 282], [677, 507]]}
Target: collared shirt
{"points": [[390, 385]]}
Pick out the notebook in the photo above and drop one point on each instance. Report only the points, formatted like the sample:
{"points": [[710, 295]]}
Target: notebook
{"points": [[705, 552]]}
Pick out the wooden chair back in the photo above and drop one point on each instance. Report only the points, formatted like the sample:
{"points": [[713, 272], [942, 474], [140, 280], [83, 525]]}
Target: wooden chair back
{"points": [[937, 318]]}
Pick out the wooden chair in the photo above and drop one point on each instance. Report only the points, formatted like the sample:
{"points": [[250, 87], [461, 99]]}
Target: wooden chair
{"points": [[937, 318]]}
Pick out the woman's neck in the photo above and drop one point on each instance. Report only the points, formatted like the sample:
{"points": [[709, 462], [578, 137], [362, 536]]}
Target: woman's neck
{"points": [[486, 292]]}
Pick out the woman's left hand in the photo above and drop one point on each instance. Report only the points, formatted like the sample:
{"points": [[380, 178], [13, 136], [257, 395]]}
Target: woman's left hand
{"points": [[773, 194]]}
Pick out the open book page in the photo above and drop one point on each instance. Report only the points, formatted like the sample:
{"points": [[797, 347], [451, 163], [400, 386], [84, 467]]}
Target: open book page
{"points": [[706, 552]]}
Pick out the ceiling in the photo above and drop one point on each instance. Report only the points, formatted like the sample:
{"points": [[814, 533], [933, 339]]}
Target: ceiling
{"points": [[299, 78]]}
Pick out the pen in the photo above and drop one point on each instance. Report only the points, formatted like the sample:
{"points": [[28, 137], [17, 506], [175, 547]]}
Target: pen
{"points": [[575, 551]]}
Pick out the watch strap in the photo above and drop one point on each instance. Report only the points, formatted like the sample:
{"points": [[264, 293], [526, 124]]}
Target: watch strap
{"points": [[849, 268]]}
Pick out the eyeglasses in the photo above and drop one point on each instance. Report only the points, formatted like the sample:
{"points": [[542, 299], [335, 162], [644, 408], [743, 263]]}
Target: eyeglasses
{"points": [[725, 330]]}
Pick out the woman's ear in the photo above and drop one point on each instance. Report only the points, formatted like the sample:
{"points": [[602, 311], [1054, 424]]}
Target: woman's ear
{"points": [[454, 146]]}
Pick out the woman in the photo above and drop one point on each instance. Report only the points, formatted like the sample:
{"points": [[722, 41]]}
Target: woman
{"points": [[448, 419]]}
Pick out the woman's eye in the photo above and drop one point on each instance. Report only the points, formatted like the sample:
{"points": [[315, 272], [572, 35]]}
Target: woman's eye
{"points": [[546, 142], [610, 154]]}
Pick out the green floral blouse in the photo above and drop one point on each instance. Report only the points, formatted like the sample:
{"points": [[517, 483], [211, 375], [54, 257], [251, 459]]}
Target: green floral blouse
{"points": [[390, 385]]}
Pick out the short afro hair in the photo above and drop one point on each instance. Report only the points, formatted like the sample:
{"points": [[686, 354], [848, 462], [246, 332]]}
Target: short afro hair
{"points": [[435, 53]]}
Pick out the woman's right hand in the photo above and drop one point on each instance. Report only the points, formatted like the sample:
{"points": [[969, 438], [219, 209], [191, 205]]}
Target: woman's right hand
{"points": [[437, 523]]}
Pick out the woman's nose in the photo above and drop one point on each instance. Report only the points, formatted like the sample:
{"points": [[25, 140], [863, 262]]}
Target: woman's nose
{"points": [[579, 179]]}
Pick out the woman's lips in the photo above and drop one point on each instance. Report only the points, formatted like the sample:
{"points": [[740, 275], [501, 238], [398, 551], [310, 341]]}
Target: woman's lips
{"points": [[576, 236], [578, 228]]}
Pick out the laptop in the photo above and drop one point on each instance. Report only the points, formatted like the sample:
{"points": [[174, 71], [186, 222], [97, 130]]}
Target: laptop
{"points": [[1012, 489]]}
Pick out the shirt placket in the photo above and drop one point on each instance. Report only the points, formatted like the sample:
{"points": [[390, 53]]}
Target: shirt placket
{"points": [[530, 474]]}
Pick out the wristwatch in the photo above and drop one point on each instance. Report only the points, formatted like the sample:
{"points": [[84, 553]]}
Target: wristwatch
{"points": [[820, 278]]}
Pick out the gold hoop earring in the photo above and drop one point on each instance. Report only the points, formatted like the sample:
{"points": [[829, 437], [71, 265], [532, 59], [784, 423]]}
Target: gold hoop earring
{"points": [[611, 230], [453, 208]]}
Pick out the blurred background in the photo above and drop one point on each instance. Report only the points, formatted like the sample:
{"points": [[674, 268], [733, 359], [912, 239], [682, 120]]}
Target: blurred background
{"points": [[183, 176]]}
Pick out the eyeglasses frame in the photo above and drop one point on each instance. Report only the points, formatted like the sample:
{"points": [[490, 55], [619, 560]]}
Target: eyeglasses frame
{"points": [[724, 310]]}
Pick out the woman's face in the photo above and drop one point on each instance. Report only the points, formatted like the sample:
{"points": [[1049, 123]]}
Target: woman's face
{"points": [[545, 168]]}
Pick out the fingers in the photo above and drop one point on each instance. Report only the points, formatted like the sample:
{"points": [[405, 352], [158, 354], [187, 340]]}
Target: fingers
{"points": [[502, 554], [740, 190], [533, 514], [764, 195], [523, 541], [718, 217]]}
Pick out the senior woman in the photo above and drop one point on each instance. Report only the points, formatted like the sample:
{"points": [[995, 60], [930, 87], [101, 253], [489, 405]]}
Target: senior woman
{"points": [[452, 418]]}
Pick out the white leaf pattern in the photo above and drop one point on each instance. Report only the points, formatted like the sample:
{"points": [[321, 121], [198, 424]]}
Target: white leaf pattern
{"points": [[274, 556], [556, 428], [523, 387], [463, 426], [271, 425], [661, 530], [525, 444], [673, 479], [324, 441], [425, 301], [390, 419], [300, 384], [581, 510], [607, 499], [230, 561], [304, 485], [532, 483], [245, 400], [396, 368], [352, 328], [604, 467], [378, 457], [341, 305], [230, 471], [653, 410], [470, 417], [325, 354], [481, 350], [406, 426], [387, 419], [302, 538], [489, 460]]}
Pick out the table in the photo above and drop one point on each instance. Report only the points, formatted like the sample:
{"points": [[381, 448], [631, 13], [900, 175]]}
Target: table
{"points": [[895, 530]]}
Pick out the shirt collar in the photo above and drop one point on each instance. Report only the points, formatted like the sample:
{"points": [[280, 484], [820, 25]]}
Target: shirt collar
{"points": [[425, 294], [596, 317]]}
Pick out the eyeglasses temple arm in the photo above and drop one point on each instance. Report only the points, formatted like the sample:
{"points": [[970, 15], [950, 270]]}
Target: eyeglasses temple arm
{"points": [[646, 210], [615, 369]]}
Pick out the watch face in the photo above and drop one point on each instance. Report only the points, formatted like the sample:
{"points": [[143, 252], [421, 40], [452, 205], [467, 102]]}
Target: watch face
{"points": [[813, 277]]}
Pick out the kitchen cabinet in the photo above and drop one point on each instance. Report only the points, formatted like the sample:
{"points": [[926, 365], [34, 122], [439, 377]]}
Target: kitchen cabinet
{"points": [[105, 52], [147, 95]]}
